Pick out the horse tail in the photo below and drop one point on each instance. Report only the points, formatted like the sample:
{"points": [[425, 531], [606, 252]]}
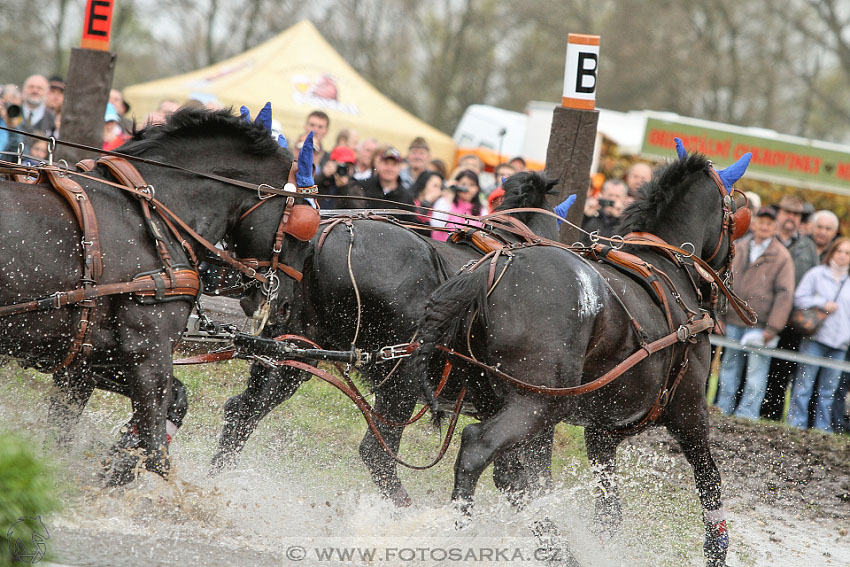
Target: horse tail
{"points": [[453, 306]]}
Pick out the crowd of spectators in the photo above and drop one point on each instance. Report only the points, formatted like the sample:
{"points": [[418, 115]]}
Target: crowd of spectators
{"points": [[792, 256]]}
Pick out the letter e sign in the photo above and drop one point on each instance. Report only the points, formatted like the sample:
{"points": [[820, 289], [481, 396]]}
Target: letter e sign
{"points": [[97, 24]]}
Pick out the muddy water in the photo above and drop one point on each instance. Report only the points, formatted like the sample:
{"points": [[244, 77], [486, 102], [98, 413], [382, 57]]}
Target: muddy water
{"points": [[293, 501]]}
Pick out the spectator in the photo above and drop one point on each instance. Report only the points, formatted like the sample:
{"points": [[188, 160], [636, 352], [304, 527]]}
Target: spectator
{"points": [[426, 190], [418, 157], [318, 122], [518, 163], [34, 111], [55, 94], [763, 272], [806, 224], [469, 162], [603, 214], [38, 151], [347, 137], [639, 173], [10, 116], [823, 287], [116, 97], [335, 178], [790, 212], [385, 183], [113, 133], [753, 201], [466, 201], [365, 152], [503, 170], [439, 166], [824, 230]]}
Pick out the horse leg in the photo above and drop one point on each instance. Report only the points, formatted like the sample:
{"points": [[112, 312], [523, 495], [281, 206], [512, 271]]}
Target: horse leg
{"points": [[177, 410], [691, 432], [602, 453], [150, 394], [527, 470], [71, 392], [267, 389], [520, 419], [396, 404]]}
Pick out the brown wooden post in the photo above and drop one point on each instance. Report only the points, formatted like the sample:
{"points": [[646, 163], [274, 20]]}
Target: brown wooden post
{"points": [[573, 134], [88, 83]]}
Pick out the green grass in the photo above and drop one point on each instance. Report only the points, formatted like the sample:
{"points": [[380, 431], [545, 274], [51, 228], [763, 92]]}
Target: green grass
{"points": [[319, 429]]}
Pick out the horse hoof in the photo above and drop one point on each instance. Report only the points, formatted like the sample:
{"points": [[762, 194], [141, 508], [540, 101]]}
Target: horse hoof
{"points": [[400, 498], [221, 462]]}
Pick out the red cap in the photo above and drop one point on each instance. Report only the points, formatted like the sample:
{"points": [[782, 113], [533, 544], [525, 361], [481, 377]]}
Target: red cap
{"points": [[343, 154], [495, 194]]}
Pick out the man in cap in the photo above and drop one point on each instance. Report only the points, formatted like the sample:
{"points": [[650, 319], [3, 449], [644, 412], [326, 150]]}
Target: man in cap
{"points": [[763, 272], [418, 159], [790, 212], [335, 179], [55, 94], [386, 182]]}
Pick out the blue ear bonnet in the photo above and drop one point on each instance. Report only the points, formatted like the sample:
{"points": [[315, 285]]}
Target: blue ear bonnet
{"points": [[728, 176], [264, 119], [304, 176]]}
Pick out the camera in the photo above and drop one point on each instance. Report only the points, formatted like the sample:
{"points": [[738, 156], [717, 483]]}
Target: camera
{"points": [[343, 169], [605, 203], [12, 110], [458, 188]]}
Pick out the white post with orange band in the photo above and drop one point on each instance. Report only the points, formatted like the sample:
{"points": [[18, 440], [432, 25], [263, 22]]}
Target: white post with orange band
{"points": [[580, 73]]}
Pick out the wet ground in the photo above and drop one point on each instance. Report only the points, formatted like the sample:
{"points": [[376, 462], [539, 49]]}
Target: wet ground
{"points": [[300, 495]]}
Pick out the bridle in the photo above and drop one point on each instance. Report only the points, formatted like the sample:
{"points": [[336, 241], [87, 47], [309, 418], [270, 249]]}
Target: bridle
{"points": [[301, 221], [736, 223]]}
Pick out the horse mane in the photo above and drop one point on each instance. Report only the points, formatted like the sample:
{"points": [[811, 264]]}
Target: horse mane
{"points": [[650, 210], [201, 123], [527, 189]]}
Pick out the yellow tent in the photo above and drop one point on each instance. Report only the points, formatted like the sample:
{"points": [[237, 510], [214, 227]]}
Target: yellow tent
{"points": [[298, 71]]}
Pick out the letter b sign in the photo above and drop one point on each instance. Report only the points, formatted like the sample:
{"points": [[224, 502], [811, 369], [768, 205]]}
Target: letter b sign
{"points": [[580, 73]]}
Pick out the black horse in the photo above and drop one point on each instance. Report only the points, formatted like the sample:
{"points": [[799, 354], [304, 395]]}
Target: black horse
{"points": [[557, 321], [130, 338], [378, 303]]}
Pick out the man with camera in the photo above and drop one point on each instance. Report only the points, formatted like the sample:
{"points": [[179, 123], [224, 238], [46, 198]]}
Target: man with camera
{"points": [[335, 179], [602, 214]]}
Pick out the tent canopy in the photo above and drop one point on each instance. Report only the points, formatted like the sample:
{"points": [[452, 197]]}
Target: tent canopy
{"points": [[298, 71]]}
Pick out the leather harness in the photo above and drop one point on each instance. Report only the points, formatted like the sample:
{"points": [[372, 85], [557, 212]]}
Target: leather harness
{"points": [[172, 282]]}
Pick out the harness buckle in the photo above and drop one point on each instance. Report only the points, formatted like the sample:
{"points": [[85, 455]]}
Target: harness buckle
{"points": [[683, 333], [260, 195], [393, 352], [57, 299], [685, 246]]}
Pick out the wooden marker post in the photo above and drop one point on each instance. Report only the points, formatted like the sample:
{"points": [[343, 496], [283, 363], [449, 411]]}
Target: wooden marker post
{"points": [[573, 135], [88, 82]]}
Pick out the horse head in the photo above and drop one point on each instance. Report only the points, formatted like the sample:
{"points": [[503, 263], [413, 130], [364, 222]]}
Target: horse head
{"points": [[689, 204], [281, 232], [529, 189]]}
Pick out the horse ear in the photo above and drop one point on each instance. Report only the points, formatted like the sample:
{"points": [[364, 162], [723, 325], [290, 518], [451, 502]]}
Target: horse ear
{"points": [[244, 113], [264, 117], [735, 171], [281, 139], [304, 177], [680, 149]]}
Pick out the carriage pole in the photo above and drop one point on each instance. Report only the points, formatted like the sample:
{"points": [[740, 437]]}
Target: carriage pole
{"points": [[573, 134], [88, 82]]}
